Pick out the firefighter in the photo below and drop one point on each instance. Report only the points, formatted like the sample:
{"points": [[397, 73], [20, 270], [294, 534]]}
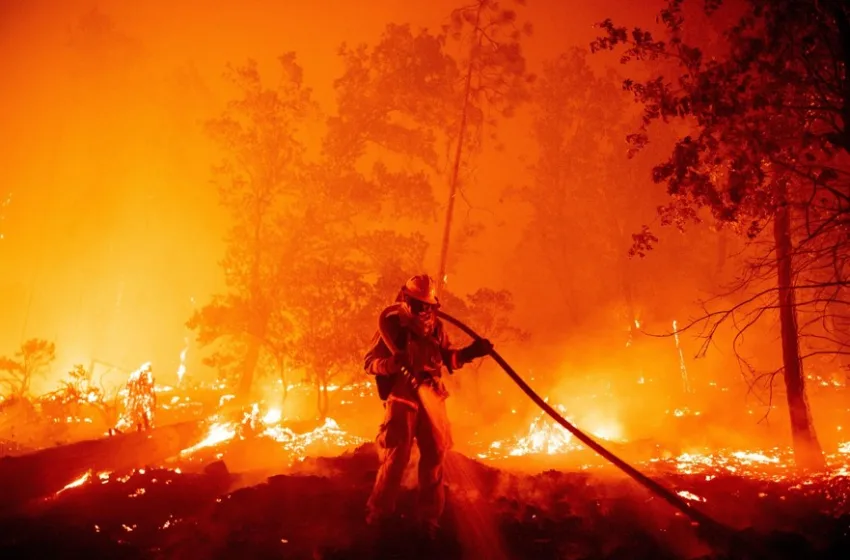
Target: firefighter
{"points": [[407, 358], [141, 398]]}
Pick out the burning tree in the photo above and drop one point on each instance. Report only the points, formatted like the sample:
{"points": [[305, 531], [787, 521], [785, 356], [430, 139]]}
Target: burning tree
{"points": [[766, 157], [33, 358]]}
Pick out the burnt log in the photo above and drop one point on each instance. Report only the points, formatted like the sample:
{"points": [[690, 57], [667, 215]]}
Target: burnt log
{"points": [[41, 473]]}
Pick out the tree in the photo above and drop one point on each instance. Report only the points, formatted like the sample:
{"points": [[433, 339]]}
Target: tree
{"points": [[577, 185], [489, 312], [495, 78], [32, 359], [261, 174], [768, 111], [332, 307], [586, 197], [408, 96]]}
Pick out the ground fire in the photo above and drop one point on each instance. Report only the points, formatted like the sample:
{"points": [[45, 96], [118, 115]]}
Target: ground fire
{"points": [[498, 279]]}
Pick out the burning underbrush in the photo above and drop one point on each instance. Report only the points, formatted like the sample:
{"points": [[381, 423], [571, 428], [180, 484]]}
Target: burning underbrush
{"points": [[245, 481]]}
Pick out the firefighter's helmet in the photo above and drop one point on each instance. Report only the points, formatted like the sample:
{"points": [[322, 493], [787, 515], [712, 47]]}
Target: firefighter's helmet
{"points": [[423, 288]]}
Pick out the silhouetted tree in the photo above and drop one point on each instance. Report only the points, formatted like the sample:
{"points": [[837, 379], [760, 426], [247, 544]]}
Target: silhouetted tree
{"points": [[767, 156], [490, 313], [261, 174], [410, 96], [32, 359], [495, 80]]}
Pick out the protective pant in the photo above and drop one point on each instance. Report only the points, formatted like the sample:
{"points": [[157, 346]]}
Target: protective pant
{"points": [[426, 421]]}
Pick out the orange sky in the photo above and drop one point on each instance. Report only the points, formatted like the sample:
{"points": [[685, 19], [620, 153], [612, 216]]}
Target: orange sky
{"points": [[113, 227]]}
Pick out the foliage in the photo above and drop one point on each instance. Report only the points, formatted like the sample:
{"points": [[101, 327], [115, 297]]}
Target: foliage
{"points": [[316, 245], [580, 179], [310, 249], [586, 197], [767, 132], [77, 397], [259, 177], [489, 312], [32, 359], [768, 114], [765, 114]]}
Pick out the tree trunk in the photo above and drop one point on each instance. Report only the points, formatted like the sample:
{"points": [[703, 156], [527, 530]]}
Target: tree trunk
{"points": [[322, 400], [246, 381], [807, 450], [281, 366], [447, 229]]}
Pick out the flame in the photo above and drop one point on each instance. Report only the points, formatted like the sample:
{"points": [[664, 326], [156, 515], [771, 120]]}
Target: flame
{"points": [[272, 416], [218, 433], [76, 482], [328, 433], [268, 426], [546, 437], [86, 477], [181, 369], [690, 496]]}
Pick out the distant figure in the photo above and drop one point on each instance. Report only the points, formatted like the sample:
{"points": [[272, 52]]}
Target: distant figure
{"points": [[407, 357], [140, 400]]}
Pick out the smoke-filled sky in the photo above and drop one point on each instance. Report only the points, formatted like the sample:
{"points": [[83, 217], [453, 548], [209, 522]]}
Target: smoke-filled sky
{"points": [[112, 230]]}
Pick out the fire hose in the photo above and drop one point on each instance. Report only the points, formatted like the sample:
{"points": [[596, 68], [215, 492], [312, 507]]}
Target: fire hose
{"points": [[711, 529], [664, 493]]}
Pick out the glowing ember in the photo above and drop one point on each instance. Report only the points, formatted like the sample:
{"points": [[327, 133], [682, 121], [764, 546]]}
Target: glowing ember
{"points": [[217, 434], [690, 496], [76, 482], [267, 426]]}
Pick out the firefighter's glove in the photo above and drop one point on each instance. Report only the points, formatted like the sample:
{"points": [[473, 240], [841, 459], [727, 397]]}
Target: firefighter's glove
{"points": [[479, 348]]}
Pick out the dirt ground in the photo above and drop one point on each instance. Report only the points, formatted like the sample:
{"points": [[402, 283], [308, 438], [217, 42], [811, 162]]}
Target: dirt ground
{"points": [[316, 511]]}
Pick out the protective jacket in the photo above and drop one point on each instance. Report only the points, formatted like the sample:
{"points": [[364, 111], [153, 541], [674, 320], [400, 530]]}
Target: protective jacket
{"points": [[425, 356]]}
